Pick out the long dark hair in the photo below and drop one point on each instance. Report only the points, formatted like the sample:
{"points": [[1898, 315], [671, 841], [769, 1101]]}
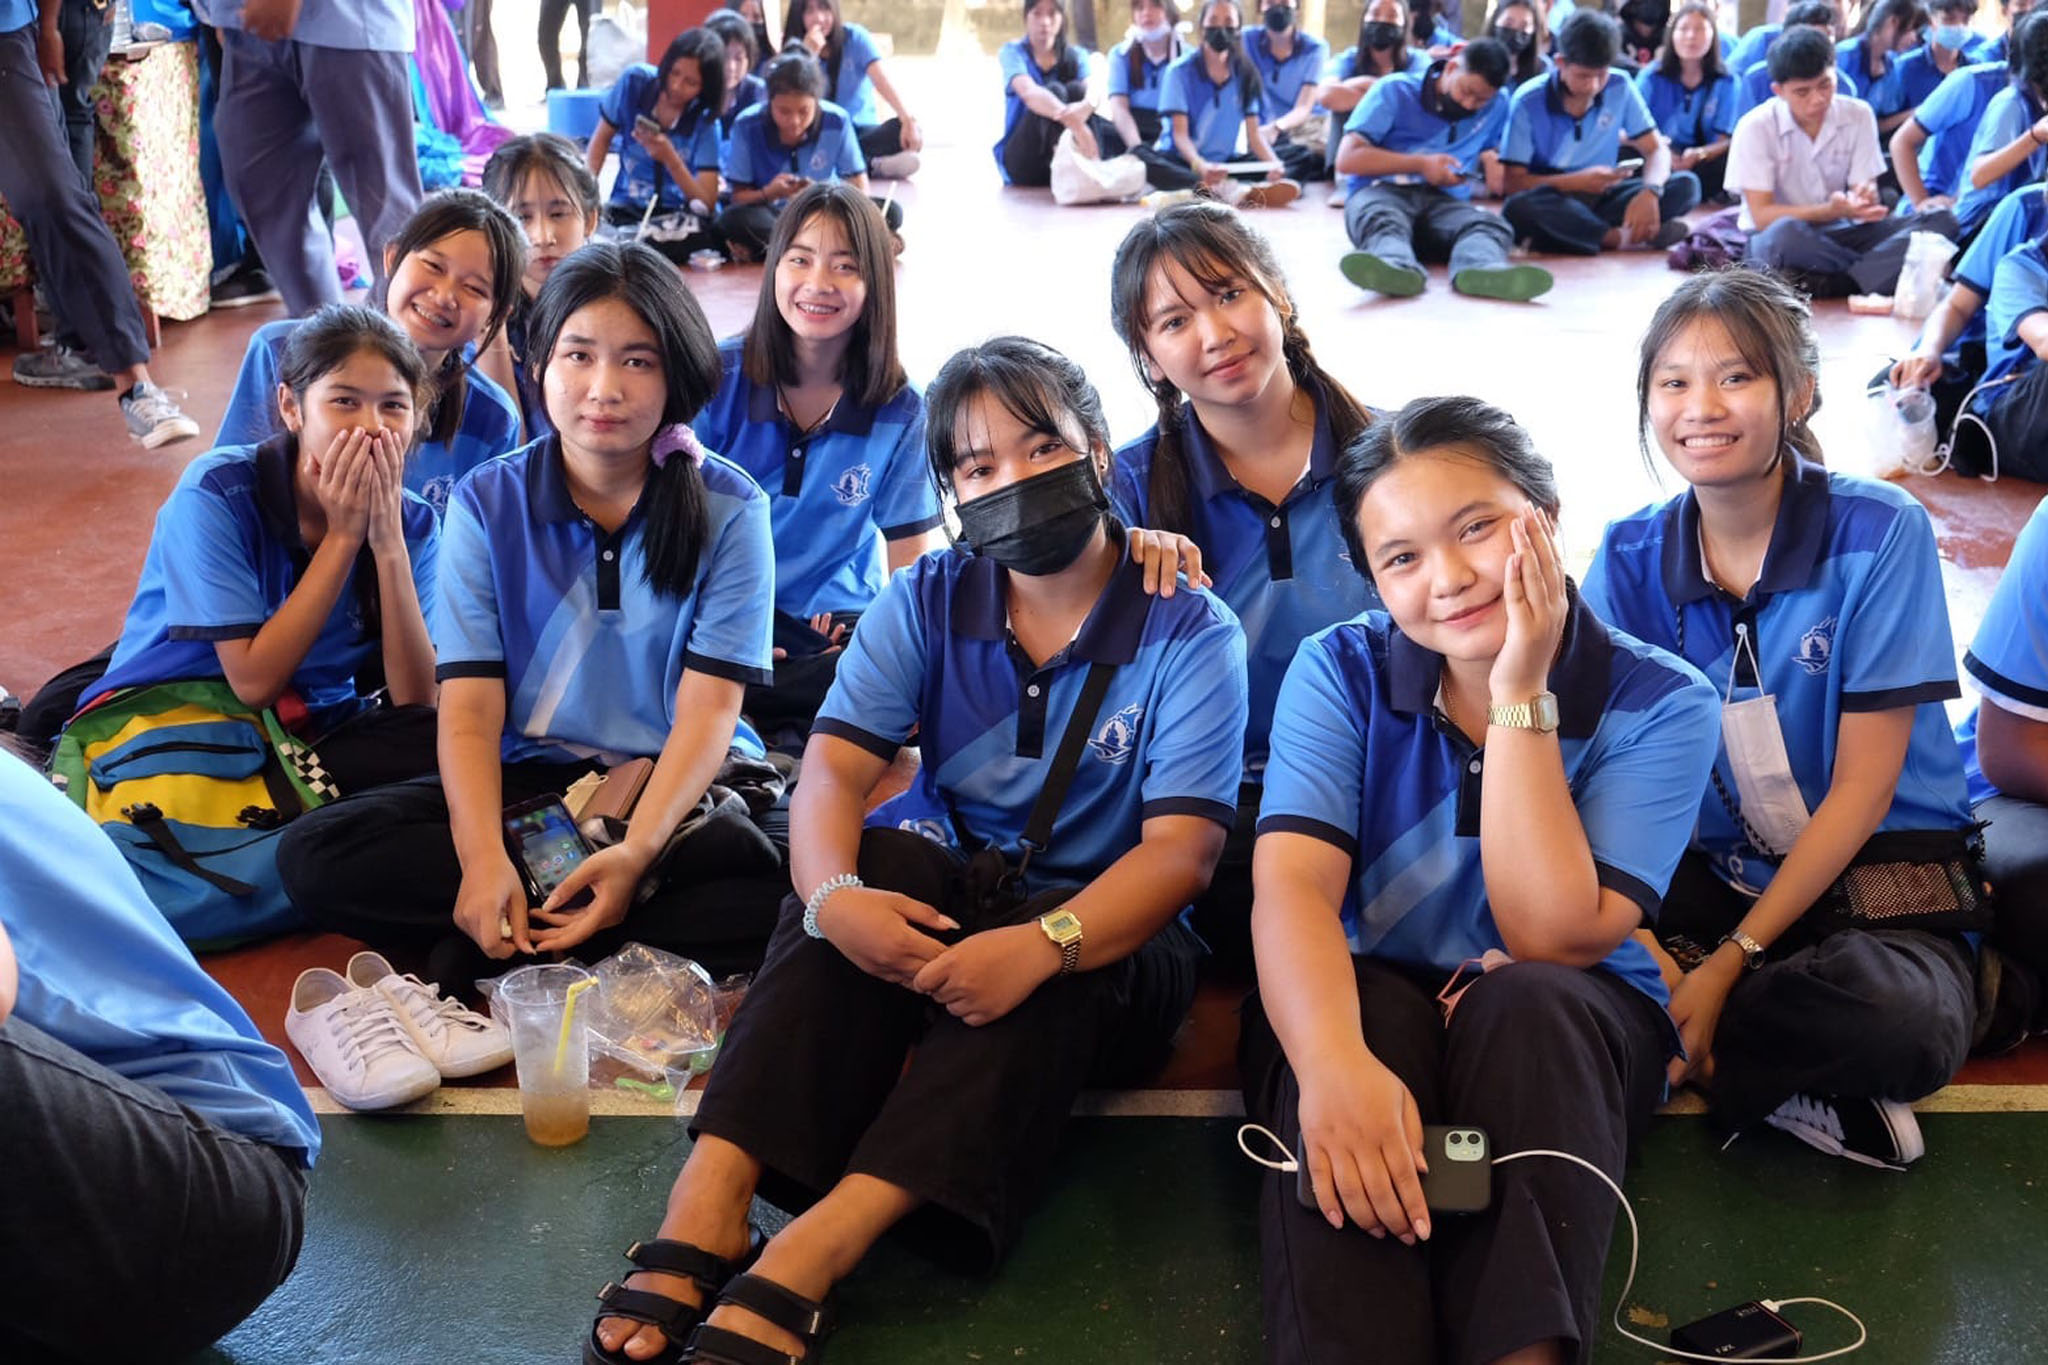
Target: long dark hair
{"points": [[834, 50], [1465, 426], [1527, 63], [762, 46], [1672, 67], [1770, 323], [1066, 64], [707, 50], [675, 502], [1215, 245], [1907, 14], [439, 215], [1397, 62], [1040, 387], [871, 373], [732, 27], [1135, 58], [1242, 69]]}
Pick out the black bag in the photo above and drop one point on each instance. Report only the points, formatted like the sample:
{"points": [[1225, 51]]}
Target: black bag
{"points": [[1927, 879]]}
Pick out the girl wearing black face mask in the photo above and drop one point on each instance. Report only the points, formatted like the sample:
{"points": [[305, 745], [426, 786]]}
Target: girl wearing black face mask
{"points": [[1383, 50], [1518, 25], [1290, 64], [1211, 104], [1024, 953]]}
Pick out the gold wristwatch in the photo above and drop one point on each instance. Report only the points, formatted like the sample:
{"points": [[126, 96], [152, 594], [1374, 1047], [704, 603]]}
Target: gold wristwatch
{"points": [[1063, 927], [1539, 713]]}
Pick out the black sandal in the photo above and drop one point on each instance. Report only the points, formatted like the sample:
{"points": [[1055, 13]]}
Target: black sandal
{"points": [[771, 1302], [673, 1318]]}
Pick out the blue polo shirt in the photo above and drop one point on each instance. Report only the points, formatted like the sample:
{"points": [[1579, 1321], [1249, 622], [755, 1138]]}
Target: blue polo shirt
{"points": [[1151, 74], [1015, 59], [1281, 82], [694, 136], [1284, 570], [16, 14], [2008, 114], [1884, 93], [1949, 116], [829, 149], [1543, 137], [488, 428], [1919, 77], [1848, 615], [103, 973], [1363, 761], [1689, 117], [2019, 218], [1392, 116], [835, 495], [1753, 46], [847, 83], [934, 655], [224, 556], [351, 25], [536, 594], [1755, 87], [2008, 660], [1216, 113], [2019, 289], [752, 91]]}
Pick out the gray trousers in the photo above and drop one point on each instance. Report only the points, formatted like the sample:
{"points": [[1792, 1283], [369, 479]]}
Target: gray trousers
{"points": [[285, 105], [134, 1227], [1837, 259], [1405, 225], [74, 252]]}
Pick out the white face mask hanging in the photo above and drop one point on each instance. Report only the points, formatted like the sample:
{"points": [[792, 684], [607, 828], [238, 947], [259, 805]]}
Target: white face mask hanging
{"points": [[1773, 810]]}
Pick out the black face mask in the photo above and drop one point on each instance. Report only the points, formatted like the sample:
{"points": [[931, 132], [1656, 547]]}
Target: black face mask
{"points": [[1379, 37], [1434, 101], [1040, 525], [1218, 38], [1515, 40], [1280, 18]]}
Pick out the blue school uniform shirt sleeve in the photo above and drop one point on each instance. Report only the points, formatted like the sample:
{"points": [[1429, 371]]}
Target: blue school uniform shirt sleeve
{"points": [[1014, 60], [1315, 771], [845, 156], [251, 417], [1194, 764], [855, 92], [2007, 661], [745, 159], [2019, 289], [487, 429], [1518, 138], [2007, 117], [732, 629], [212, 590], [463, 616], [877, 692]]}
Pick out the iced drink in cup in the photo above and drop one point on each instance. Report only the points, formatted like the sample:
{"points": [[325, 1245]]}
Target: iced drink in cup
{"points": [[550, 1050]]}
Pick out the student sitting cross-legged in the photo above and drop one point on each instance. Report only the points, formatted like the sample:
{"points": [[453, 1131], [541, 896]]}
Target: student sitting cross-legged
{"points": [[605, 594], [1692, 96], [1806, 164], [1473, 798], [1009, 923], [1414, 151], [1564, 134]]}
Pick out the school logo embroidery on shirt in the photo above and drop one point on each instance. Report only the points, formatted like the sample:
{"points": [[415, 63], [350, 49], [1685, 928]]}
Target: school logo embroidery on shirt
{"points": [[1118, 737], [1817, 648], [851, 488], [934, 830], [436, 491]]}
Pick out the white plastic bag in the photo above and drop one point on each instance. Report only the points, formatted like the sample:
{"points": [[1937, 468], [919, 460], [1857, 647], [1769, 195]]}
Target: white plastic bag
{"points": [[1919, 286], [615, 42], [1076, 179], [1902, 435]]}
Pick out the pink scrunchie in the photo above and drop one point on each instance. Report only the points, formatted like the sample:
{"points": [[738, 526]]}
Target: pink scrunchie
{"points": [[679, 437]]}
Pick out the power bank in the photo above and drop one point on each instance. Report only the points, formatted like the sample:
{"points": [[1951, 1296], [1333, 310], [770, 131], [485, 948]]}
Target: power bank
{"points": [[1747, 1331]]}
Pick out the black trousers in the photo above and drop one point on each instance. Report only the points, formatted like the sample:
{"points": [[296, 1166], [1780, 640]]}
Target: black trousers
{"points": [[783, 711], [135, 1229], [1537, 1055], [1222, 915], [552, 12], [1027, 152], [813, 1081], [381, 866], [627, 221], [749, 226], [1883, 1015], [879, 139], [2016, 865], [2018, 419]]}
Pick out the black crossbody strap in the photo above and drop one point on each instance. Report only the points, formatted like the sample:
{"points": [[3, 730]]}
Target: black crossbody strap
{"points": [[150, 821], [1065, 763]]}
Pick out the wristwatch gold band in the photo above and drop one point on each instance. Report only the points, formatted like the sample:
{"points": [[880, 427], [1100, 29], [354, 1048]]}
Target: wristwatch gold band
{"points": [[1539, 713], [1063, 927]]}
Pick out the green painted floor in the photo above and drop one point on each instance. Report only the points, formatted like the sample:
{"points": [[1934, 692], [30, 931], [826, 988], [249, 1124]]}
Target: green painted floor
{"points": [[454, 1239]]}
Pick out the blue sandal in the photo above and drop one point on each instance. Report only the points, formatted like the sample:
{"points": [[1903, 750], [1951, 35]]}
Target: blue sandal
{"points": [[673, 1318], [784, 1307]]}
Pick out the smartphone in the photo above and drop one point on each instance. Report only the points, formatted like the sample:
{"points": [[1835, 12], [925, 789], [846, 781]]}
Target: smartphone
{"points": [[646, 124], [544, 843], [1459, 1178]]}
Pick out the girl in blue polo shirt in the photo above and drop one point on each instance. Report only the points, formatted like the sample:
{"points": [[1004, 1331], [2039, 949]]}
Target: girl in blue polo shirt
{"points": [[1474, 796], [288, 568], [1210, 104], [1045, 93], [1870, 57], [1382, 50], [1691, 94], [1517, 25], [455, 271], [667, 186], [544, 183], [814, 404], [605, 595], [854, 75], [1813, 600], [1009, 922], [1240, 461], [743, 89], [1137, 70]]}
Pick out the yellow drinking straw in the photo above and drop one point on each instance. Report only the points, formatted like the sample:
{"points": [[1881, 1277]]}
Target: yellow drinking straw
{"points": [[568, 1013]]}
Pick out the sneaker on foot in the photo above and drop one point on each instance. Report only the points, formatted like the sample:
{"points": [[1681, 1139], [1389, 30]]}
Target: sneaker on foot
{"points": [[353, 1040], [1513, 283], [243, 288], [1669, 234], [1368, 271], [60, 367], [895, 166], [458, 1041], [1270, 194], [1881, 1133], [153, 418]]}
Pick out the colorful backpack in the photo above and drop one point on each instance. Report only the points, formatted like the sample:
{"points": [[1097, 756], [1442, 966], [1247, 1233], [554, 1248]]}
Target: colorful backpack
{"points": [[195, 788]]}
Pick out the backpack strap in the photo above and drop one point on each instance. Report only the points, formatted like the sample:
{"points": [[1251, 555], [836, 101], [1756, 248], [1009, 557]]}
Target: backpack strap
{"points": [[150, 820], [1065, 763]]}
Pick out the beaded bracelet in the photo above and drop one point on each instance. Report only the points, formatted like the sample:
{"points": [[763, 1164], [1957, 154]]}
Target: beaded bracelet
{"points": [[821, 895]]}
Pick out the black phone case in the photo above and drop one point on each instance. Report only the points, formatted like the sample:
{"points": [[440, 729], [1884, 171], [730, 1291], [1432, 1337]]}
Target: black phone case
{"points": [[534, 896], [1460, 1183]]}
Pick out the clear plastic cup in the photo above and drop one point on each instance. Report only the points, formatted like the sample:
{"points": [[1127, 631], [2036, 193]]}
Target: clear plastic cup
{"points": [[1913, 412], [554, 1074]]}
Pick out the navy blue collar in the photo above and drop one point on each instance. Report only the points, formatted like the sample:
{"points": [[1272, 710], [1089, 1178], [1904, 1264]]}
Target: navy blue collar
{"points": [[277, 501], [547, 489], [1210, 476], [1579, 678], [846, 415], [1111, 634], [1797, 539]]}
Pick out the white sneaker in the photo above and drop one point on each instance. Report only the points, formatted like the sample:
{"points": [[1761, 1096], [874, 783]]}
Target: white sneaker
{"points": [[353, 1040], [1880, 1133], [459, 1042], [894, 165]]}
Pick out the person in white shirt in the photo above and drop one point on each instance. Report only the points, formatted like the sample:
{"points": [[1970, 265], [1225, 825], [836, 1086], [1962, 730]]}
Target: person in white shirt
{"points": [[1805, 164]]}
